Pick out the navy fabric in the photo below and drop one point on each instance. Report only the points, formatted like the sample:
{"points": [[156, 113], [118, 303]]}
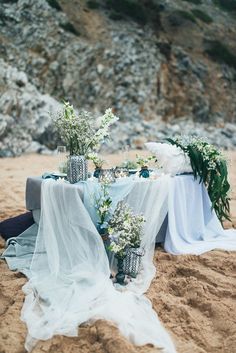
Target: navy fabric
{"points": [[12, 227]]}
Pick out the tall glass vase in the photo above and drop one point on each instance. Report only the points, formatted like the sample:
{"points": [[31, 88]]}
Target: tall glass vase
{"points": [[77, 169]]}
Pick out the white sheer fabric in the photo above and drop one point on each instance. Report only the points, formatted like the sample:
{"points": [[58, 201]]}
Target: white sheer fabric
{"points": [[193, 227], [146, 196], [69, 276]]}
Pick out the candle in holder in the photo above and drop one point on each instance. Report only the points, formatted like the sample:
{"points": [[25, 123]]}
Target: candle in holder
{"points": [[121, 172], [107, 176]]}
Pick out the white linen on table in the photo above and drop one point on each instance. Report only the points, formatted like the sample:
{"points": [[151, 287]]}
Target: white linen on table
{"points": [[69, 277], [193, 227]]}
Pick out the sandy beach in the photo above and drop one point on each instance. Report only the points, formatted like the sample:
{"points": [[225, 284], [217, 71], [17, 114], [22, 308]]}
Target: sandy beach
{"points": [[194, 296]]}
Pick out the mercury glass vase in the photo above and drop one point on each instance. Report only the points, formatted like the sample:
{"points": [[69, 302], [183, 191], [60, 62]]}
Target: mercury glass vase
{"points": [[107, 176], [77, 169], [133, 261]]}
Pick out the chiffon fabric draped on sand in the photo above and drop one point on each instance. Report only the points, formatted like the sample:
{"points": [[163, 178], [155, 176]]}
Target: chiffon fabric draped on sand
{"points": [[69, 275]]}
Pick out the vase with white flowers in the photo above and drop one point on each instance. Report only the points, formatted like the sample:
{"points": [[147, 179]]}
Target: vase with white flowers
{"points": [[143, 164], [98, 163], [80, 133], [103, 203], [125, 231]]}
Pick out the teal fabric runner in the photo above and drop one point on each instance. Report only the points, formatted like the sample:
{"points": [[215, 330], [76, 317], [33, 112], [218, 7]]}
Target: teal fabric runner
{"points": [[20, 250]]}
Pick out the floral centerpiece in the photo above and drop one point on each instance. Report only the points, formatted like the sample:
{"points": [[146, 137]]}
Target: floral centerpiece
{"points": [[126, 168], [125, 231], [143, 163], [98, 163], [129, 164], [209, 164], [80, 133]]}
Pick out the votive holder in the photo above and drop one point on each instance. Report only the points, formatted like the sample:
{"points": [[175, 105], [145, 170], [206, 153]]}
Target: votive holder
{"points": [[121, 172], [107, 176]]}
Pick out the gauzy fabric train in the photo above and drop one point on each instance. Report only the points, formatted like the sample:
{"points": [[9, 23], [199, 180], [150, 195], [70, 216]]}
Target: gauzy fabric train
{"points": [[146, 196], [69, 278]]}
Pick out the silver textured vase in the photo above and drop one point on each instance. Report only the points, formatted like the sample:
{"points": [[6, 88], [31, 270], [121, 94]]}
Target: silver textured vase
{"points": [[77, 169], [133, 261]]}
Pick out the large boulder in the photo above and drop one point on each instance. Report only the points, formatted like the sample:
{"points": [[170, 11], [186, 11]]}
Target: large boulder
{"points": [[25, 113]]}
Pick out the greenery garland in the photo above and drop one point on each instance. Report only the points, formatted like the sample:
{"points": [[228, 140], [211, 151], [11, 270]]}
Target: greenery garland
{"points": [[209, 164]]}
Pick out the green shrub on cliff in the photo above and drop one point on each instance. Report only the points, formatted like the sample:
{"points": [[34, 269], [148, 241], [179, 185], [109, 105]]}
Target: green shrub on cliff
{"points": [[93, 4], [69, 27], [228, 5], [203, 16], [130, 8], [219, 52], [195, 2], [54, 4], [186, 15]]}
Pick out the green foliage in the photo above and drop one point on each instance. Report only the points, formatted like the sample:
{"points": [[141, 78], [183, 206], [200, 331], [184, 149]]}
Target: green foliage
{"points": [[130, 8], [69, 27], [115, 16], [128, 164], [203, 16], [186, 15], [195, 2], [103, 203], [227, 5], [144, 162], [141, 11], [209, 165], [97, 161], [93, 4], [54, 4], [219, 52], [9, 1]]}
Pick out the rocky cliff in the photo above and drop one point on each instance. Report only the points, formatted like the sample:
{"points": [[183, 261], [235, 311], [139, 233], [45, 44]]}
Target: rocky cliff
{"points": [[165, 66]]}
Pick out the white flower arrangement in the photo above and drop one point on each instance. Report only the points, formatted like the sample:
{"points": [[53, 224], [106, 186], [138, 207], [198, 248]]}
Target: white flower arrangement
{"points": [[103, 206], [210, 154], [209, 165], [79, 131], [125, 229], [144, 162], [97, 161]]}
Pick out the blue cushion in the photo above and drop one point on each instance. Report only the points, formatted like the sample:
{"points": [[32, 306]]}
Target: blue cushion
{"points": [[12, 227]]}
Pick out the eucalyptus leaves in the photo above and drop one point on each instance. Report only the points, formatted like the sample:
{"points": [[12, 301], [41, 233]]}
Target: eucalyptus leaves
{"points": [[209, 164], [79, 131]]}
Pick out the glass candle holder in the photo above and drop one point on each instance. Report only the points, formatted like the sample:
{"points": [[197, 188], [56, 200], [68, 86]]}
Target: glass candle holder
{"points": [[61, 159], [121, 172], [107, 176]]}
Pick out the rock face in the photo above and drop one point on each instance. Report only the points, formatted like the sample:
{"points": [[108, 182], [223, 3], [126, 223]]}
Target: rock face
{"points": [[153, 65], [24, 113]]}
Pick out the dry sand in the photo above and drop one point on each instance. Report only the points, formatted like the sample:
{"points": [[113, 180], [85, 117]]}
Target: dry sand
{"points": [[195, 296]]}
